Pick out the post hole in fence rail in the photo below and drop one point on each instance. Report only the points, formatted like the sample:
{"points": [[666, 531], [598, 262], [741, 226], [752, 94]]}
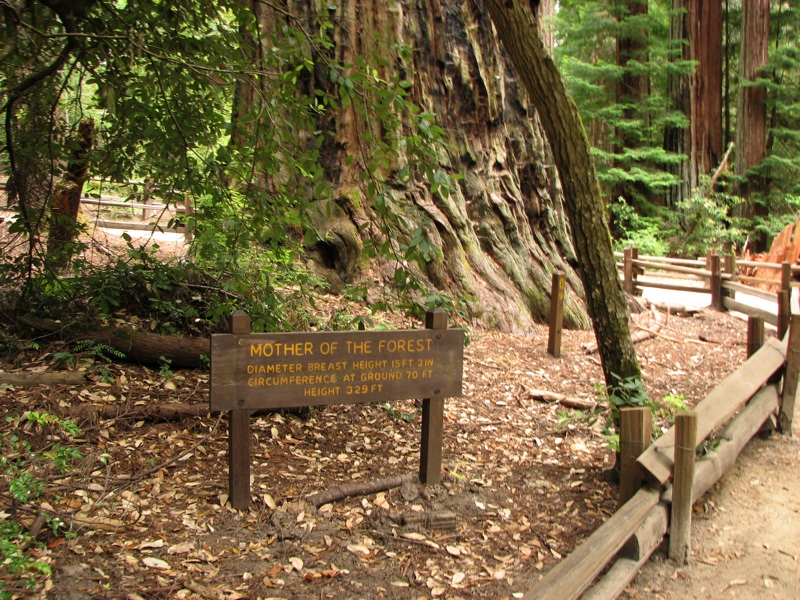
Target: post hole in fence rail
{"points": [[251, 371], [680, 529], [556, 315], [716, 281]]}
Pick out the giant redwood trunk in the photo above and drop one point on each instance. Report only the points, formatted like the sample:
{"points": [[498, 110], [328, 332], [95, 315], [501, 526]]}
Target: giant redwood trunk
{"points": [[502, 230], [676, 137]]}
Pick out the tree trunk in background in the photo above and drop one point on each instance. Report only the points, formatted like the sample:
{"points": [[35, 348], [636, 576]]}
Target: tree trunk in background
{"points": [[584, 203], [502, 230], [66, 203], [633, 88], [676, 139], [705, 47], [545, 11], [751, 129], [696, 35]]}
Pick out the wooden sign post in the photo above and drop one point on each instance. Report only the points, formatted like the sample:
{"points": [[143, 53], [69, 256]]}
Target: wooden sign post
{"points": [[252, 371]]}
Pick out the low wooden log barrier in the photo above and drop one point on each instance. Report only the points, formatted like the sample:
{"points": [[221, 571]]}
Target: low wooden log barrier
{"points": [[569, 578], [718, 407], [630, 536]]}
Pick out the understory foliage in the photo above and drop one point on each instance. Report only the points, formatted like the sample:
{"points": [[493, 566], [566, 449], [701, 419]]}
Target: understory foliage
{"points": [[36, 448], [627, 135], [162, 84]]}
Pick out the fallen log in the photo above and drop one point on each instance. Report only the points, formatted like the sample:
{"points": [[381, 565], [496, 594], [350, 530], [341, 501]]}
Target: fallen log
{"points": [[441, 520], [137, 346], [149, 348], [556, 398], [28, 378], [644, 333], [680, 310], [156, 412], [363, 488]]}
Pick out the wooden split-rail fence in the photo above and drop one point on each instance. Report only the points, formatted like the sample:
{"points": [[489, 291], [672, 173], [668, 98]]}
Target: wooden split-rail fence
{"points": [[723, 277], [660, 481], [153, 213]]}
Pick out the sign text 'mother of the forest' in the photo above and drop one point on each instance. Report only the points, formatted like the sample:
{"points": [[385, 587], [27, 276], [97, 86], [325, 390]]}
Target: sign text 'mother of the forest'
{"points": [[281, 370]]}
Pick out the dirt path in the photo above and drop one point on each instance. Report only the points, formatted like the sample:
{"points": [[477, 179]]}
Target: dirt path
{"points": [[745, 533]]}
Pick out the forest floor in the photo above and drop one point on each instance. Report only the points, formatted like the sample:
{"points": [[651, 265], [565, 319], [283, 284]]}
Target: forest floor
{"points": [[523, 482]]}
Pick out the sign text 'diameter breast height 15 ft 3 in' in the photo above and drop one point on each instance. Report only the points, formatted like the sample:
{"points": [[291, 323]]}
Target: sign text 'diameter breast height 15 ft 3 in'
{"points": [[282, 370]]}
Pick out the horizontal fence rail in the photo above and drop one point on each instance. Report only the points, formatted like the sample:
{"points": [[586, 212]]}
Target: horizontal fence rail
{"points": [[659, 486], [620, 546]]}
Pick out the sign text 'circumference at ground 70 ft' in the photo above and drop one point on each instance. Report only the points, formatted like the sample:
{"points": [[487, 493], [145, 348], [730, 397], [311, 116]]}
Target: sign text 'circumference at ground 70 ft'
{"points": [[282, 370]]}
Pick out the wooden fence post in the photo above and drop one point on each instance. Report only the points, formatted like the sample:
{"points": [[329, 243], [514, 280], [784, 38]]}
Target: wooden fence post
{"points": [[556, 315], [729, 265], [784, 312], [430, 457], [790, 378], [786, 276], [239, 436], [729, 268], [629, 271], [755, 334], [716, 282], [635, 433], [680, 529]]}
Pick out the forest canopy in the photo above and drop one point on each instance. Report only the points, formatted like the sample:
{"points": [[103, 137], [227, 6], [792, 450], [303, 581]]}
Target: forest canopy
{"points": [[313, 144]]}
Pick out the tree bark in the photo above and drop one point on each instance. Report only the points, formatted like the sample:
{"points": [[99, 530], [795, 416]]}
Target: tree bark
{"points": [[632, 89], [705, 45], [138, 346], [751, 129], [676, 138], [559, 116], [696, 29], [502, 229], [66, 203]]}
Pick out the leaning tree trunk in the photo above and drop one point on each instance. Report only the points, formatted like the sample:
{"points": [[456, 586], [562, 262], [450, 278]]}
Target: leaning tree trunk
{"points": [[605, 298], [502, 229]]}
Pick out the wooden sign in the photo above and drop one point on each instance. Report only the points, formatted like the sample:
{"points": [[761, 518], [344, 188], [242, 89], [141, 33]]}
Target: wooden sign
{"points": [[283, 370]]}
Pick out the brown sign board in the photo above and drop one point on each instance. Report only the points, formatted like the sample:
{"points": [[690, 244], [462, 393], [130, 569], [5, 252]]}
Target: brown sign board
{"points": [[284, 370]]}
